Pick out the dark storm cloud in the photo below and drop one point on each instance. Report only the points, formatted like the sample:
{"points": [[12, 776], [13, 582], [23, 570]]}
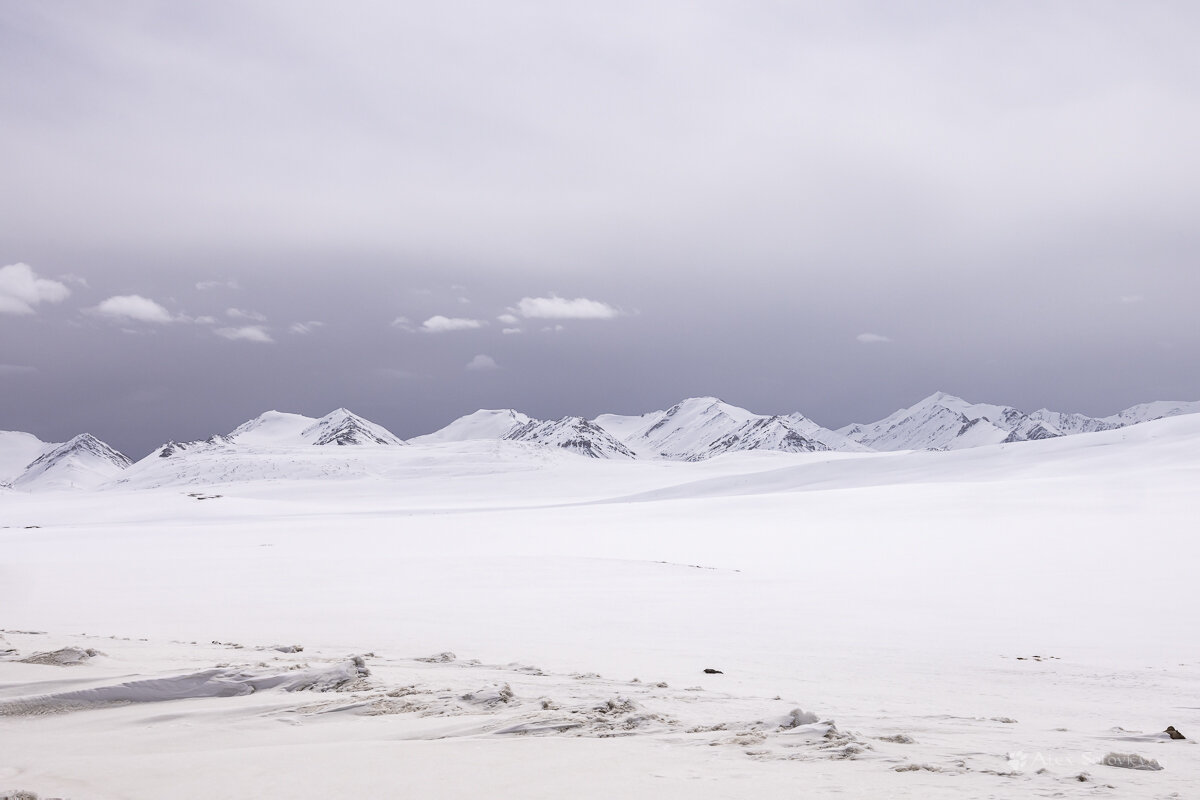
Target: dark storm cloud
{"points": [[760, 192]]}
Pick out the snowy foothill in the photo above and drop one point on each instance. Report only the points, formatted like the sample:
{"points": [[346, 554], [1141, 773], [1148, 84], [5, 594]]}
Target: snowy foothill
{"points": [[255, 616]]}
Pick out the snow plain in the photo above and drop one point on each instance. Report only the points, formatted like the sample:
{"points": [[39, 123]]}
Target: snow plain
{"points": [[989, 622]]}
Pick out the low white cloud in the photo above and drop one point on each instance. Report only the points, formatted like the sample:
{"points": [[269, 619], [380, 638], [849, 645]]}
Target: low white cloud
{"points": [[509, 319], [16, 369], [239, 313], [440, 324], [403, 323], [135, 308], [205, 286], [250, 333], [872, 338], [562, 308], [205, 320], [303, 328], [510, 331], [482, 362], [21, 289]]}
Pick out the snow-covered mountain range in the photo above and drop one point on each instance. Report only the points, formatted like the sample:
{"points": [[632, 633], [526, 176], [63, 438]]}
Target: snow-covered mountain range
{"points": [[274, 444]]}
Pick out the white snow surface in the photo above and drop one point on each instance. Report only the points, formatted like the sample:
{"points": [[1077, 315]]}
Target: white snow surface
{"points": [[498, 618]]}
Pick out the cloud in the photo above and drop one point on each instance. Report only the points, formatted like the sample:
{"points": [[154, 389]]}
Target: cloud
{"points": [[482, 363], [16, 369], [562, 308], [204, 286], [21, 289], [510, 331], [133, 307], [250, 333], [403, 323], [509, 319], [440, 324], [872, 338], [205, 320], [238, 313], [303, 328]]}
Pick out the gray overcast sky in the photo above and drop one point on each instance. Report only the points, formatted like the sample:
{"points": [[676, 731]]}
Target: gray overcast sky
{"points": [[212, 209]]}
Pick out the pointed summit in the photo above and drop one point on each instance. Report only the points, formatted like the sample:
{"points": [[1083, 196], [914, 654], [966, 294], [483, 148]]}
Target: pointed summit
{"points": [[572, 433], [82, 463], [343, 427]]}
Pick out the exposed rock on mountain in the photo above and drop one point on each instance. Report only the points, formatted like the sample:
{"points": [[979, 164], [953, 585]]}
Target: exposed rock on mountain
{"points": [[572, 433]]}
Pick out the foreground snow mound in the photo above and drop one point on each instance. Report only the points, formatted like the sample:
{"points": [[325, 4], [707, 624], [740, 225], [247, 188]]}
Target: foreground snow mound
{"points": [[1131, 761], [219, 682], [575, 434], [482, 424], [85, 462]]}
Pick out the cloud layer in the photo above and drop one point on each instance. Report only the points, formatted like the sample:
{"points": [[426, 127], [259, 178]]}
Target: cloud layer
{"points": [[21, 289]]}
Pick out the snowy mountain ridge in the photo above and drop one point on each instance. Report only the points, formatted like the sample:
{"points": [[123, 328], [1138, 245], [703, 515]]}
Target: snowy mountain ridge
{"points": [[694, 429]]}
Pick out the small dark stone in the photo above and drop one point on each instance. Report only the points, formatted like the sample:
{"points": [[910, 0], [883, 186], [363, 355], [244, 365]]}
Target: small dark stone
{"points": [[711, 671], [1174, 734]]}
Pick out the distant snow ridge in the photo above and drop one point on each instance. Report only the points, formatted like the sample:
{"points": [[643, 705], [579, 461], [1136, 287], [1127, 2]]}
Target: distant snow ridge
{"points": [[1146, 412], [340, 427], [945, 422], [689, 428], [1068, 424], [768, 433], [84, 462], [572, 433], [343, 427], [482, 424]]}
